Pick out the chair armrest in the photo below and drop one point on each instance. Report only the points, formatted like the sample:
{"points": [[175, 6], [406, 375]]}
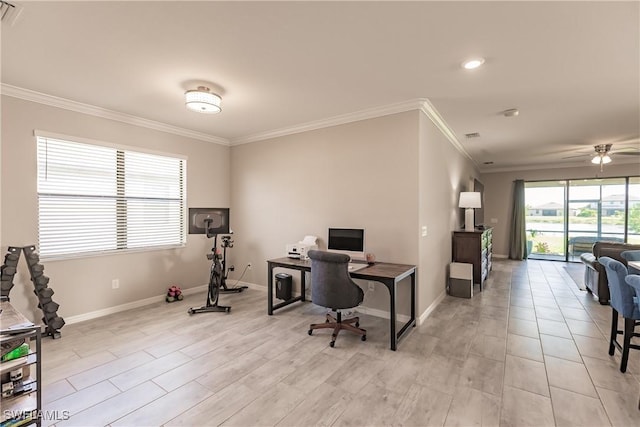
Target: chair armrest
{"points": [[589, 259]]}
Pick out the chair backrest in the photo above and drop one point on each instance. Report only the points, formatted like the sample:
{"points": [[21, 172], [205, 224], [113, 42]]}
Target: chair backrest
{"points": [[633, 280], [621, 293], [331, 284], [631, 255]]}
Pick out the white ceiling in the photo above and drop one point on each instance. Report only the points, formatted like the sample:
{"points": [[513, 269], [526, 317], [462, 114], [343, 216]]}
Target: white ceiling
{"points": [[571, 68]]}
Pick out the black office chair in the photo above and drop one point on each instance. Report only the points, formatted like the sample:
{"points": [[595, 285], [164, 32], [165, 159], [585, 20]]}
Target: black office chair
{"points": [[332, 287]]}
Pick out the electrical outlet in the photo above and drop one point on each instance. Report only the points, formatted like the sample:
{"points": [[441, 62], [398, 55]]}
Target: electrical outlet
{"points": [[115, 284], [424, 231], [232, 268], [371, 286], [249, 265]]}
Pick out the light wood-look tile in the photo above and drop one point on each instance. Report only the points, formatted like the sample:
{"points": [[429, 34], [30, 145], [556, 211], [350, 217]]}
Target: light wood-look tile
{"points": [[473, 408], [109, 410], [422, 407], [531, 349]]}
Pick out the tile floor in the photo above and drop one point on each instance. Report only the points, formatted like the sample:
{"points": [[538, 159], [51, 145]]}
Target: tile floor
{"points": [[528, 351]]}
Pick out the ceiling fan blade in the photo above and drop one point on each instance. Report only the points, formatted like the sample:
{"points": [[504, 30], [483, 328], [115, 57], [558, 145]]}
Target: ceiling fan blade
{"points": [[579, 155], [627, 153]]}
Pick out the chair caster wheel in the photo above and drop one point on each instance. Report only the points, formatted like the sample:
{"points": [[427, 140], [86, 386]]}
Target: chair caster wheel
{"points": [[190, 311], [332, 344], [228, 309], [357, 324], [364, 338], [310, 331]]}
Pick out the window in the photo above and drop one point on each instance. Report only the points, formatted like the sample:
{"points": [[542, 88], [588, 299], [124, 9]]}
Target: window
{"points": [[95, 198], [564, 218]]}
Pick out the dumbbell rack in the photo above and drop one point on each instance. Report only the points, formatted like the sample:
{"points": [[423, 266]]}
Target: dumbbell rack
{"points": [[44, 293]]}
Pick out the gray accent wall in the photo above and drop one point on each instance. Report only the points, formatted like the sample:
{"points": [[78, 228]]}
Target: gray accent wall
{"points": [[389, 175]]}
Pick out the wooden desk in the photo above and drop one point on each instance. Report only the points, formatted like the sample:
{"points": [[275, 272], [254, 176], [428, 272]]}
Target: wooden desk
{"points": [[386, 273]]}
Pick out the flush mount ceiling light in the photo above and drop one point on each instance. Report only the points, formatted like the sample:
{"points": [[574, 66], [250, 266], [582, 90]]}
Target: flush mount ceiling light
{"points": [[472, 64], [203, 100], [511, 112]]}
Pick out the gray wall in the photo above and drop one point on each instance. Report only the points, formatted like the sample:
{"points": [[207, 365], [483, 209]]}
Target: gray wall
{"points": [[380, 174], [444, 173], [391, 175], [499, 193], [83, 285]]}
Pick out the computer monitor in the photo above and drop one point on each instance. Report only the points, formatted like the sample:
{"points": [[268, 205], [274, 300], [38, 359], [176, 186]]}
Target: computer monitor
{"points": [[348, 241], [217, 220]]}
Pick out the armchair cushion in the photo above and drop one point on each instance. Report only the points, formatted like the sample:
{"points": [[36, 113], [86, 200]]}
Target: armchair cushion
{"points": [[595, 278]]}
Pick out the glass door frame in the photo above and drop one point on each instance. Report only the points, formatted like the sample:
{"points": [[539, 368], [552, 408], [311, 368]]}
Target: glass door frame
{"points": [[570, 257]]}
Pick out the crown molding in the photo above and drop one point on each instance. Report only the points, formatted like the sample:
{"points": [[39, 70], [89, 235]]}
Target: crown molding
{"points": [[565, 165], [342, 119], [430, 111], [79, 107]]}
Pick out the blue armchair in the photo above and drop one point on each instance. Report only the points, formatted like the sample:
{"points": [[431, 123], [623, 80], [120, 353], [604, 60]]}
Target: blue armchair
{"points": [[624, 301]]}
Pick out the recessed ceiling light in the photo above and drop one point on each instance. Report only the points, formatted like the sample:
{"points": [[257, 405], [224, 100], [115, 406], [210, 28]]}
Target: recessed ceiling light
{"points": [[473, 63]]}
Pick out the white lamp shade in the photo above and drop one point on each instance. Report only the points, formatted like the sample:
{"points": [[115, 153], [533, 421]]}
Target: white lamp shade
{"points": [[601, 159], [470, 199], [203, 101]]}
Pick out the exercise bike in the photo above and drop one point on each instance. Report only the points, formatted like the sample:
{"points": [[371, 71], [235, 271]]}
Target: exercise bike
{"points": [[216, 276], [228, 243]]}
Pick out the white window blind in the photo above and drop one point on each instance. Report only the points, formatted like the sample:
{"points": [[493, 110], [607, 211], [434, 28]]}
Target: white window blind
{"points": [[93, 198]]}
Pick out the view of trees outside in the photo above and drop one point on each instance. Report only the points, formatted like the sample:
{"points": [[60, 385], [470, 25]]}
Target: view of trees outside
{"points": [[596, 210]]}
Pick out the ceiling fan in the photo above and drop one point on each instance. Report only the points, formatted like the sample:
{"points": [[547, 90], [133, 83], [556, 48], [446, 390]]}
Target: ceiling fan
{"points": [[603, 154]]}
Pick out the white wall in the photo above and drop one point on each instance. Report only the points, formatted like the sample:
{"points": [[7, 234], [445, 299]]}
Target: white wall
{"points": [[499, 193], [84, 285]]}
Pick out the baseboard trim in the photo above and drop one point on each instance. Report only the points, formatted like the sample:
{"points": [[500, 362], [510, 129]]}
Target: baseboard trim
{"points": [[203, 288], [128, 306], [434, 304]]}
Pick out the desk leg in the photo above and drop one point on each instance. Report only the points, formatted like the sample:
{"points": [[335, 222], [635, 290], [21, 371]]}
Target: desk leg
{"points": [[270, 289], [413, 298], [392, 317]]}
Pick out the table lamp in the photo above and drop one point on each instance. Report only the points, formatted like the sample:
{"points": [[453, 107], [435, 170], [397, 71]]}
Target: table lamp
{"points": [[469, 200]]}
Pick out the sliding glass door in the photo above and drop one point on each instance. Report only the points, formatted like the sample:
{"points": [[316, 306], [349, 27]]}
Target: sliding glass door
{"points": [[565, 218], [596, 212], [545, 219]]}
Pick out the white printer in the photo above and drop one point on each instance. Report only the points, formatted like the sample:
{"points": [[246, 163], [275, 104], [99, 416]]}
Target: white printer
{"points": [[299, 250]]}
